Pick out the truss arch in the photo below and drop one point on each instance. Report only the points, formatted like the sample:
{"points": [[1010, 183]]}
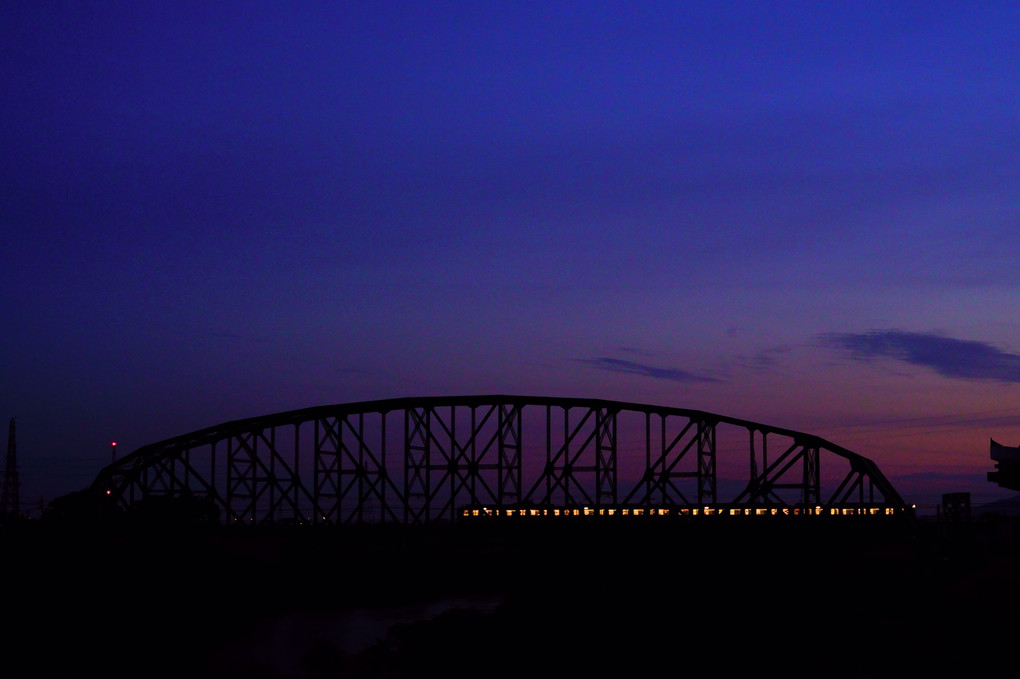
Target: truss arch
{"points": [[430, 459]]}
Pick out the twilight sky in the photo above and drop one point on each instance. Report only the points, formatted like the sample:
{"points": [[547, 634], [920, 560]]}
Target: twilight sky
{"points": [[803, 214]]}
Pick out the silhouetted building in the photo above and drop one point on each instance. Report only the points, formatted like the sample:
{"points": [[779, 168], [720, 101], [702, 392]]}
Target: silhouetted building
{"points": [[956, 507], [1007, 465]]}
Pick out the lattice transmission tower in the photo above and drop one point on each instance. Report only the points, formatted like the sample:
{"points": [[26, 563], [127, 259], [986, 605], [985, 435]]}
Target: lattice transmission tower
{"points": [[9, 503]]}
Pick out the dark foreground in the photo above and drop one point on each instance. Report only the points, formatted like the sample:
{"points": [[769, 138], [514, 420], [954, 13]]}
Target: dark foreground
{"points": [[586, 599]]}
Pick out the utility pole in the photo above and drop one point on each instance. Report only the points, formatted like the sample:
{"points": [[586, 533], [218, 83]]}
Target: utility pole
{"points": [[9, 503]]}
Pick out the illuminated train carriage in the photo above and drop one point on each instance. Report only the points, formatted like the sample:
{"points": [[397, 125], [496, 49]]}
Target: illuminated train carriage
{"points": [[693, 513]]}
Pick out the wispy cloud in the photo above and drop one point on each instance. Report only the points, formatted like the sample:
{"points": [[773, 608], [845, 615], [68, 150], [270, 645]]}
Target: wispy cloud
{"points": [[987, 419], [633, 368], [956, 358], [764, 359]]}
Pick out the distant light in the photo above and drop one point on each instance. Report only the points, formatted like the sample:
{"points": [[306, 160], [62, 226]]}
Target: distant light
{"points": [[114, 443], [108, 492]]}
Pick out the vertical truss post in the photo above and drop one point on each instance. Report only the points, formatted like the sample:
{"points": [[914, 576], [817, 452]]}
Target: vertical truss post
{"points": [[451, 470], [753, 491], [354, 469], [273, 477], [297, 468], [605, 456], [648, 474], [667, 469], [417, 447], [326, 474], [547, 472], [706, 462], [144, 486], [364, 487], [812, 477], [473, 461], [509, 464], [186, 481], [384, 477], [242, 476], [758, 482], [213, 481]]}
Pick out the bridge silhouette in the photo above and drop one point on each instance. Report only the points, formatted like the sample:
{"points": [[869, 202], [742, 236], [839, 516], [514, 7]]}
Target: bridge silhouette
{"points": [[445, 459]]}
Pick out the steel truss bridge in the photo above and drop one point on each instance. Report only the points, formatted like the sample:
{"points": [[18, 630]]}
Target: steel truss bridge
{"points": [[442, 459]]}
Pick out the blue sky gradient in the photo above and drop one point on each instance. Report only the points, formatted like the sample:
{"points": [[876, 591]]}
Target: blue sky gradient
{"points": [[804, 214]]}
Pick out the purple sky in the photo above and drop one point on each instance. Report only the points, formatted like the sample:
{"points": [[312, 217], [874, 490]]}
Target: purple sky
{"points": [[804, 214]]}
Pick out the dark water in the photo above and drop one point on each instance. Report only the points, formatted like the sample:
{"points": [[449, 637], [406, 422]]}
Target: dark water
{"points": [[587, 601], [282, 645]]}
